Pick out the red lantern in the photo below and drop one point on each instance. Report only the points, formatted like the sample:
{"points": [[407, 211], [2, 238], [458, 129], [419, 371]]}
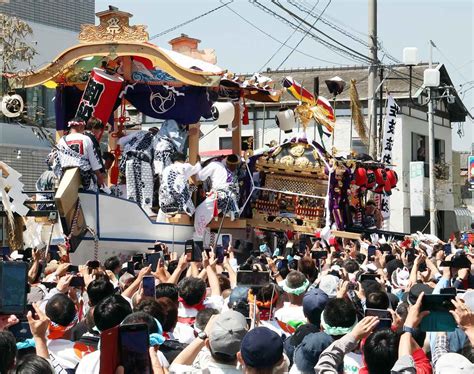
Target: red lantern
{"points": [[380, 179], [370, 179], [392, 177], [387, 187], [360, 177]]}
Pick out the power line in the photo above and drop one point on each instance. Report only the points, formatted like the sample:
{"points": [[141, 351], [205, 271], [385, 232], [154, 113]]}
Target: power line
{"points": [[304, 36], [353, 51], [341, 52], [277, 40], [287, 39], [191, 20]]}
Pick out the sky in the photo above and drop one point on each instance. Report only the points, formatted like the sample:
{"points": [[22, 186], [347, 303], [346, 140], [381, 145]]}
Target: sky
{"points": [[243, 35]]}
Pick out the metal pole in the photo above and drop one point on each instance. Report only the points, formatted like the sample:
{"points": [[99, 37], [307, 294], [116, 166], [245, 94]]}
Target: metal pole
{"points": [[372, 108], [431, 140]]}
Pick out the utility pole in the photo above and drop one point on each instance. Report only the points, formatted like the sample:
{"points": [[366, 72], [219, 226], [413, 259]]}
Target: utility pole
{"points": [[431, 140], [372, 108]]}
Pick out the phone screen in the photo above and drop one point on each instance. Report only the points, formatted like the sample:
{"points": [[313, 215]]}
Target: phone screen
{"points": [[189, 249], [384, 324], [93, 264], [152, 259], [438, 303], [220, 254], [134, 343], [130, 268], [149, 286], [368, 276], [447, 249], [225, 240], [318, 255], [13, 281], [253, 278], [109, 351], [197, 251], [77, 282], [371, 250], [21, 331], [380, 313]]}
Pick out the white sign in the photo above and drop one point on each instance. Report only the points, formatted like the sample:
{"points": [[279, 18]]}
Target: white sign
{"points": [[387, 146], [417, 185]]}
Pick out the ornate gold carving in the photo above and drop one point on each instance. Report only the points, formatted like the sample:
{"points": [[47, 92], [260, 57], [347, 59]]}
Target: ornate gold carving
{"points": [[114, 26]]}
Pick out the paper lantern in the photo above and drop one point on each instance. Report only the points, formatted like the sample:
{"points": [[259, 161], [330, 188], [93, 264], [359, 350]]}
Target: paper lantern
{"points": [[380, 179], [100, 95], [360, 177], [285, 120], [223, 114], [370, 179], [12, 105], [387, 187], [392, 177]]}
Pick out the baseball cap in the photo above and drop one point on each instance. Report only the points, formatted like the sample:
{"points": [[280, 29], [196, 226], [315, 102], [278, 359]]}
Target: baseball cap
{"points": [[468, 298], [314, 302], [261, 348], [295, 340], [308, 352], [328, 285], [227, 333]]}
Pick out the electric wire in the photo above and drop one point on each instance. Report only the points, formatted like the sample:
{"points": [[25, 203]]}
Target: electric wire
{"points": [[341, 52], [287, 39], [353, 51], [277, 40], [304, 36], [190, 20]]}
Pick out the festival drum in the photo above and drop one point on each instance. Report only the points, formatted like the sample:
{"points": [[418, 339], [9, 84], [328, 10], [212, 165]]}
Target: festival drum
{"points": [[100, 95]]}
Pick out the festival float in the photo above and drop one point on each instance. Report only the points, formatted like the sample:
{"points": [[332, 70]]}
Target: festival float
{"points": [[301, 187]]}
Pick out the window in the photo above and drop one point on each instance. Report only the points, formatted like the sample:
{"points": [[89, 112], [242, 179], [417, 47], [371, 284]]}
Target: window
{"points": [[225, 142], [359, 147], [420, 150]]}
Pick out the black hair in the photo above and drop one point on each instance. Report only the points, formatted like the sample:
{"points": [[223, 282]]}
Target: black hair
{"points": [[360, 258], [224, 282], [351, 266], [169, 290], [307, 266], [385, 247], [94, 123], [108, 156], [7, 351], [152, 307], [369, 286], [339, 313], [111, 311], [402, 310], [233, 158], [112, 263], [203, 317], [377, 300], [178, 156], [170, 312], [192, 290], [99, 289], [33, 364], [142, 317], [295, 279], [381, 351], [60, 309]]}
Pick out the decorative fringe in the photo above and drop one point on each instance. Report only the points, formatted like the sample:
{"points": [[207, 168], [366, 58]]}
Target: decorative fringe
{"points": [[356, 110]]}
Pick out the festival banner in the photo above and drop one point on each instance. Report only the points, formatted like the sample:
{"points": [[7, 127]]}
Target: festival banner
{"points": [[417, 187], [470, 170], [387, 146]]}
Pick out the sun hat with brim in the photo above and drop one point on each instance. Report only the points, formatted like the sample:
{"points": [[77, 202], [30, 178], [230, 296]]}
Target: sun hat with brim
{"points": [[454, 363]]}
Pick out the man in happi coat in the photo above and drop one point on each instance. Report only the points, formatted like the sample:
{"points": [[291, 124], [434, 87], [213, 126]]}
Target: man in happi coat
{"points": [[137, 166], [77, 150], [175, 191], [223, 194], [171, 139]]}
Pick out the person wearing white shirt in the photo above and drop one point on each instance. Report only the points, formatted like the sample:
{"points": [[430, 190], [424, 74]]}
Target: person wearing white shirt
{"points": [[223, 194]]}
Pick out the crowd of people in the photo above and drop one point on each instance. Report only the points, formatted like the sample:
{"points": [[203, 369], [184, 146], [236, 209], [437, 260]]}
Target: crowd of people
{"points": [[292, 309]]}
